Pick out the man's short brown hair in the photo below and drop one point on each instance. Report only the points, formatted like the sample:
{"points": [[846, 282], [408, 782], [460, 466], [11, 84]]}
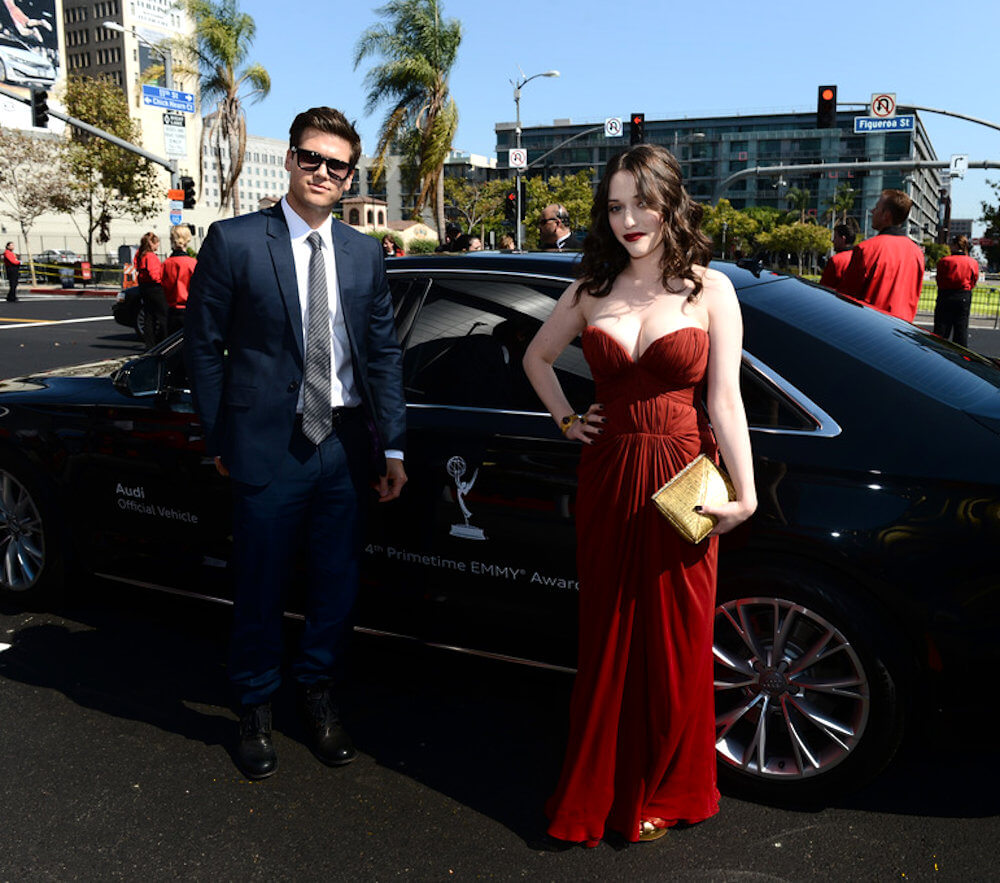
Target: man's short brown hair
{"points": [[329, 120], [898, 204]]}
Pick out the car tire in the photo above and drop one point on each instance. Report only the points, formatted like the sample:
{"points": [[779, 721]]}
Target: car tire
{"points": [[140, 323], [31, 559], [824, 714]]}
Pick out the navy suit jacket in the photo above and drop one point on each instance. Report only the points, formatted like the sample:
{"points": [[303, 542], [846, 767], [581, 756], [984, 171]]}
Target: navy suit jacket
{"points": [[243, 344]]}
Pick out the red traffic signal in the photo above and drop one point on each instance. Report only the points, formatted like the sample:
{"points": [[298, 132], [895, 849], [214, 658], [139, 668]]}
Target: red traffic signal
{"points": [[637, 128], [826, 107]]}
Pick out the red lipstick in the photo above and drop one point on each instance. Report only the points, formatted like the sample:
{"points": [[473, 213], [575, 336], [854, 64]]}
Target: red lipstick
{"points": [[633, 237]]}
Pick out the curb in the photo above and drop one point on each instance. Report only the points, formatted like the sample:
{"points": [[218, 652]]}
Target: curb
{"points": [[77, 292]]}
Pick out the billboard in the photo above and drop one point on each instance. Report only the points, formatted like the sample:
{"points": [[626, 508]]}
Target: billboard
{"points": [[29, 43]]}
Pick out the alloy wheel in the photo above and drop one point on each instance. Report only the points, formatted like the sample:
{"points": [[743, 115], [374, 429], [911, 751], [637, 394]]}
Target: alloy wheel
{"points": [[22, 543], [792, 695]]}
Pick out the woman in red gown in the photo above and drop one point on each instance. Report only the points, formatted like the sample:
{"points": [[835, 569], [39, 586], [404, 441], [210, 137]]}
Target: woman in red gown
{"points": [[659, 329]]}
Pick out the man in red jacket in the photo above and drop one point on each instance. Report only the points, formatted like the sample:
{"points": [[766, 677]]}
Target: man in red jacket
{"points": [[887, 271], [836, 266], [12, 266]]}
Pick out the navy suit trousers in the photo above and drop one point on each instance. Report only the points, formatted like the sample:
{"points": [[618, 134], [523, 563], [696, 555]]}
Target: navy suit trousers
{"points": [[313, 507]]}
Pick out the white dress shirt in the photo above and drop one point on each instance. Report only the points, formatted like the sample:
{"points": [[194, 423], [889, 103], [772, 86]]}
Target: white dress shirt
{"points": [[343, 391]]}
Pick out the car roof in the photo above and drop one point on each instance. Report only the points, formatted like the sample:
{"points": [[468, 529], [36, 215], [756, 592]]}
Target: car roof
{"points": [[560, 265]]}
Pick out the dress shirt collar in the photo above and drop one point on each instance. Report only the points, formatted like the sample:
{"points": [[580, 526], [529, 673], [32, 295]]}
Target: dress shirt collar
{"points": [[298, 229]]}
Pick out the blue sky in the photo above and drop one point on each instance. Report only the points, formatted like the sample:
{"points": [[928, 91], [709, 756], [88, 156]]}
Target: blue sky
{"points": [[664, 59]]}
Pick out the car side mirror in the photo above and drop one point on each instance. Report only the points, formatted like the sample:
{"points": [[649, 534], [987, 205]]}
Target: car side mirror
{"points": [[141, 378]]}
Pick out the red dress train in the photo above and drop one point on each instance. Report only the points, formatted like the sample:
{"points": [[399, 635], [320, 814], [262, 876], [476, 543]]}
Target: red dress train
{"points": [[642, 724]]}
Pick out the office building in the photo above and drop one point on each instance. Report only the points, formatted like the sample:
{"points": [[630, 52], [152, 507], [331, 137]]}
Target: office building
{"points": [[710, 149]]}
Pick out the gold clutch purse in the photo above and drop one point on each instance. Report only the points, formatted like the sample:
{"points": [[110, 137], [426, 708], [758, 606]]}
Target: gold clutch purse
{"points": [[700, 483]]}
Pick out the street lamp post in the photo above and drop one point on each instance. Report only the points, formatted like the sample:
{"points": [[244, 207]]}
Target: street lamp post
{"points": [[163, 51], [168, 70], [518, 85]]}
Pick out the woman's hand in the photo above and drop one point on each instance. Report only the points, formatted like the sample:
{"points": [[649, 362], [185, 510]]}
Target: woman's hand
{"points": [[589, 426], [729, 515]]}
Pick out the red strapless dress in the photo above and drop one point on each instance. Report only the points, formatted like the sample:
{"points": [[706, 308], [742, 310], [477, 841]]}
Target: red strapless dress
{"points": [[642, 722]]}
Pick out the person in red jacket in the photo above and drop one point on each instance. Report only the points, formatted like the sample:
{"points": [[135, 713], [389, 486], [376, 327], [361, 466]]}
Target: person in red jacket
{"points": [[836, 266], [12, 264], [887, 271], [957, 275], [154, 301], [177, 272]]}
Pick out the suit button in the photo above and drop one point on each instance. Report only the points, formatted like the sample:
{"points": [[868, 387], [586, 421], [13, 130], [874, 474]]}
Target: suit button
{"points": [[293, 386]]}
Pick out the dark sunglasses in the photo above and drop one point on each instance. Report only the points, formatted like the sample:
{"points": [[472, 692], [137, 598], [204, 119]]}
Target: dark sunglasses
{"points": [[310, 160]]}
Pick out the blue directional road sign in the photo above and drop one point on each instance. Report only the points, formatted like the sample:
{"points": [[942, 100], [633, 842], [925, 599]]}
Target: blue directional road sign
{"points": [[175, 218], [171, 99], [867, 125]]}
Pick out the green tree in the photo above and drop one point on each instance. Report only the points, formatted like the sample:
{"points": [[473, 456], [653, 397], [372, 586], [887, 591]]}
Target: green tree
{"points": [[573, 192], [991, 217], [729, 228], [842, 202], [796, 239], [220, 46], [933, 252], [767, 217], [108, 182], [418, 50], [34, 178], [798, 199], [476, 205]]}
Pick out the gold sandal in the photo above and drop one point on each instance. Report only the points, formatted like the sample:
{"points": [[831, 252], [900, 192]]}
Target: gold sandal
{"points": [[649, 832]]}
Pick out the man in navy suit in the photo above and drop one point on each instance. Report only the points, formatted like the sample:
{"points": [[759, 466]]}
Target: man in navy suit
{"points": [[295, 369]]}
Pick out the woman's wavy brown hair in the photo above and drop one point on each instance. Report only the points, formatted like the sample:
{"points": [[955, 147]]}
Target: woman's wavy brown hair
{"points": [[658, 182]]}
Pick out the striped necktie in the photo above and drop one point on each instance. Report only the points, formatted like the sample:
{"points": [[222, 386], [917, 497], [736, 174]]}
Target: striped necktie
{"points": [[317, 415]]}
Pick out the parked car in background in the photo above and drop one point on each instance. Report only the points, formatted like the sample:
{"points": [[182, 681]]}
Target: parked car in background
{"points": [[57, 256], [22, 66], [863, 593], [127, 310]]}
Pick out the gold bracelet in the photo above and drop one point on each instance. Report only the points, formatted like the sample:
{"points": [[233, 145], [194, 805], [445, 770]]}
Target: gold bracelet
{"points": [[567, 422]]}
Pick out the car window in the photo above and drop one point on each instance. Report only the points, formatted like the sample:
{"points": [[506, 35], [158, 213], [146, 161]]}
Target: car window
{"points": [[467, 341], [767, 407]]}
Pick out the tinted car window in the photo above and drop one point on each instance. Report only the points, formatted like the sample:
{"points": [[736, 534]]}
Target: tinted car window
{"points": [[767, 407], [466, 344]]}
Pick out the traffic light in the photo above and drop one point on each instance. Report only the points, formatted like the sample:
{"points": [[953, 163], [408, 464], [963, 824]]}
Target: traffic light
{"points": [[826, 107], [524, 198], [510, 206], [187, 185], [637, 129], [39, 108]]}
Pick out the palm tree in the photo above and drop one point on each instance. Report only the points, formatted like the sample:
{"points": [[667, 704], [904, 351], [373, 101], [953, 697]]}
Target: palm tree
{"points": [[417, 50], [798, 199], [843, 201], [222, 40]]}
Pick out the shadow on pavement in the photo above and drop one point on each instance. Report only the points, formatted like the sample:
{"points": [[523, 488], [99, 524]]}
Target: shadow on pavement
{"points": [[486, 734]]}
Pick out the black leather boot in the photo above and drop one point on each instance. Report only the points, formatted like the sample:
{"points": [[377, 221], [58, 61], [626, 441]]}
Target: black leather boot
{"points": [[255, 755], [327, 737]]}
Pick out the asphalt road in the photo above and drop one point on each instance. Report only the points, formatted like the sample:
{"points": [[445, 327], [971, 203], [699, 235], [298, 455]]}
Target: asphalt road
{"points": [[115, 733]]}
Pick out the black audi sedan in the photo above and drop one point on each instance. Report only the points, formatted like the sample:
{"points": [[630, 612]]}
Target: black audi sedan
{"points": [[863, 592]]}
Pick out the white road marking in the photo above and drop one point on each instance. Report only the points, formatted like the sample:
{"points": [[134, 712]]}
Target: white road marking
{"points": [[49, 323]]}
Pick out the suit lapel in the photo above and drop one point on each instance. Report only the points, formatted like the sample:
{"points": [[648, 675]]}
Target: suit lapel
{"points": [[280, 247], [347, 278]]}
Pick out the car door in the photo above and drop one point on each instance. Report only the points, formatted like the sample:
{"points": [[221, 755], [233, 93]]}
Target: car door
{"points": [[156, 510], [480, 549]]}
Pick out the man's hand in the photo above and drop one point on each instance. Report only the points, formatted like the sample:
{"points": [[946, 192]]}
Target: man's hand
{"points": [[391, 484], [222, 469]]}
